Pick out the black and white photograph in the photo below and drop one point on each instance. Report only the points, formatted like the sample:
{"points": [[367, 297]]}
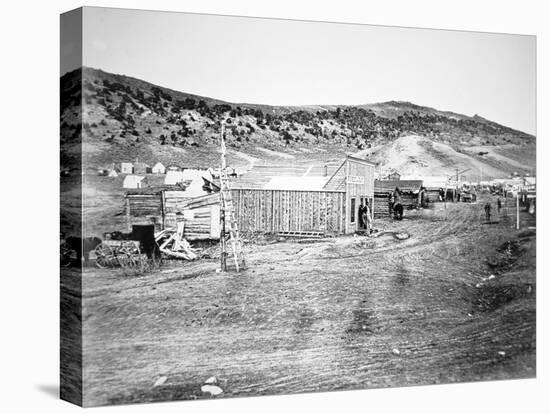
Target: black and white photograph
{"points": [[259, 206]]}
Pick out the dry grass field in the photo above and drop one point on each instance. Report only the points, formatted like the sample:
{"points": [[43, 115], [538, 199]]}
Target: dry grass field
{"points": [[453, 302]]}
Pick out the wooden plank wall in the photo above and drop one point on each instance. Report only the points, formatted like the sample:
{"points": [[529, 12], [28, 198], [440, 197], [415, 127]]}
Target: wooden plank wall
{"points": [[172, 202], [273, 211], [381, 203], [144, 209], [360, 169], [202, 222]]}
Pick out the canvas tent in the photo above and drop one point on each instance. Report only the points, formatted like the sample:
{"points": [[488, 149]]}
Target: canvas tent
{"points": [[133, 181], [158, 168]]}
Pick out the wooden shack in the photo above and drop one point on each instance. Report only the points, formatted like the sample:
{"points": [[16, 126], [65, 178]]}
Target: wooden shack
{"points": [[411, 194], [141, 168], [166, 206]]}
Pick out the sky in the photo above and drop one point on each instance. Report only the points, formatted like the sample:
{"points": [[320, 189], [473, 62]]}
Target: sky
{"points": [[286, 62]]}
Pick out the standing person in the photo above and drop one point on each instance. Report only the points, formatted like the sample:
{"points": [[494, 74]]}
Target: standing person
{"points": [[367, 218], [499, 205], [360, 216], [488, 212]]}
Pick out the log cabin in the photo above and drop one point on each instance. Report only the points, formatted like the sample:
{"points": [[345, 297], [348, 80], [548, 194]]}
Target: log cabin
{"points": [[411, 194]]}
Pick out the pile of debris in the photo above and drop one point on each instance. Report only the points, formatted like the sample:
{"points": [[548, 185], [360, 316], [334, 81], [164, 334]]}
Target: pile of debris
{"points": [[173, 244]]}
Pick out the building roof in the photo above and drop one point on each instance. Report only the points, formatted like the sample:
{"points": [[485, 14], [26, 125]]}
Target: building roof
{"points": [[387, 186], [275, 176], [296, 183], [157, 189], [429, 181]]}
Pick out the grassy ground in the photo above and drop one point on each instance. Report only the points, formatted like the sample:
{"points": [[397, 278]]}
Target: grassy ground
{"points": [[351, 312]]}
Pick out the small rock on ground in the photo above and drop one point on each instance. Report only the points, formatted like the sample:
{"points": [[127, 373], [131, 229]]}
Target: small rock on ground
{"points": [[211, 389], [160, 381]]}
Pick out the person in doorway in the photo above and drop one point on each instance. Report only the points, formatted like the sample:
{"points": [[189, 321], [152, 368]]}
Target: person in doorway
{"points": [[367, 218], [360, 216], [488, 212]]}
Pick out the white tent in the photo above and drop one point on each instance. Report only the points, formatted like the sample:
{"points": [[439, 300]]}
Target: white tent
{"points": [[173, 177], [112, 173], [158, 168], [133, 181], [193, 176]]}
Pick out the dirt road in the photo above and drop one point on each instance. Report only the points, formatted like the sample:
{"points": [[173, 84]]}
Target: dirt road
{"points": [[453, 302]]}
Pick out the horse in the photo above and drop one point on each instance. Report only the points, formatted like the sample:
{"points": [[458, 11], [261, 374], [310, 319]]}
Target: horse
{"points": [[398, 211], [397, 207]]}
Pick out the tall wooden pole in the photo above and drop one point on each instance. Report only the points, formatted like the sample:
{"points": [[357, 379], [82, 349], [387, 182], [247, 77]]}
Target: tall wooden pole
{"points": [[223, 256]]}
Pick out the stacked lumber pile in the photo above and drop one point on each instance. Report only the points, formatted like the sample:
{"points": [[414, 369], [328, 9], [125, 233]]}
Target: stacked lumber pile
{"points": [[173, 244]]}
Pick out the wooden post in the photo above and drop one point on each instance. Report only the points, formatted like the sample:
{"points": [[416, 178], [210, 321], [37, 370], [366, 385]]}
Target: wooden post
{"points": [[517, 210], [128, 223]]}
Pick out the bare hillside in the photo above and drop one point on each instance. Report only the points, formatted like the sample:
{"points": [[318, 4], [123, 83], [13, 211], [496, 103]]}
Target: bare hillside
{"points": [[124, 118]]}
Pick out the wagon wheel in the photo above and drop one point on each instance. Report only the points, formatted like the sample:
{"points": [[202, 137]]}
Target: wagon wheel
{"points": [[66, 254], [104, 256], [129, 255]]}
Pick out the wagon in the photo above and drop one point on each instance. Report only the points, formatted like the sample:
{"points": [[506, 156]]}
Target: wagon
{"points": [[119, 253]]}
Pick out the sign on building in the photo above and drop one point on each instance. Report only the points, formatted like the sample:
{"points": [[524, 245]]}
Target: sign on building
{"points": [[355, 179]]}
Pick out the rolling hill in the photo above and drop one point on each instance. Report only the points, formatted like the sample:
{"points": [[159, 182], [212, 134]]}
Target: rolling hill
{"points": [[124, 118]]}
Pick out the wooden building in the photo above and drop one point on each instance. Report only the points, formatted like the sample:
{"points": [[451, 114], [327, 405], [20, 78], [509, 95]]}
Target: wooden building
{"points": [[330, 208], [394, 176], [126, 168], [165, 207], [411, 195], [141, 168]]}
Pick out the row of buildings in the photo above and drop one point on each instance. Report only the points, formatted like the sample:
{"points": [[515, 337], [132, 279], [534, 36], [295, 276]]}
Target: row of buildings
{"points": [[319, 199]]}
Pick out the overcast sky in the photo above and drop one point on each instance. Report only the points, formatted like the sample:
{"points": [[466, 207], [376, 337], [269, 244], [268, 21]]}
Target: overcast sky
{"points": [[282, 62]]}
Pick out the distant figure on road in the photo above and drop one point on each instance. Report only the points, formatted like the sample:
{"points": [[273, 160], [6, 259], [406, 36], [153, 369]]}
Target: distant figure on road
{"points": [[499, 205], [488, 212], [367, 220]]}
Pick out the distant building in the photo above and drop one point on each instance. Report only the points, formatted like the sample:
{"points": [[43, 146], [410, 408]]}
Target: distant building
{"points": [[126, 168], [174, 167], [112, 173], [134, 181], [158, 168], [140, 168], [394, 176]]}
